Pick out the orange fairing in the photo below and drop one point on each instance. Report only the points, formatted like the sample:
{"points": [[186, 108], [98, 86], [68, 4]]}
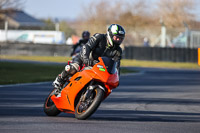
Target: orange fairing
{"points": [[66, 101], [69, 93], [110, 79]]}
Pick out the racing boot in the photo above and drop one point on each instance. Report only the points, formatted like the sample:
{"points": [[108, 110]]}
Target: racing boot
{"points": [[59, 82], [62, 78]]}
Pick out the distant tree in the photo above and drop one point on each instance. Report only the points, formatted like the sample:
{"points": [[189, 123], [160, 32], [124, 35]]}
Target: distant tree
{"points": [[67, 29], [7, 6], [100, 14], [138, 7], [64, 26], [130, 14], [139, 17], [174, 12], [49, 24], [11, 4]]}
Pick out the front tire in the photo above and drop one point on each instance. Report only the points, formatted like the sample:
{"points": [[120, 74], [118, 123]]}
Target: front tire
{"points": [[86, 108], [49, 106]]}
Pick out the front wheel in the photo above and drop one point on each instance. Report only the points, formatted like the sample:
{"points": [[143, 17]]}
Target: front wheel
{"points": [[49, 106], [86, 108]]}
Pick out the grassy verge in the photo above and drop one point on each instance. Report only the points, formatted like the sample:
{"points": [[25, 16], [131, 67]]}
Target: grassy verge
{"points": [[12, 73], [37, 58], [124, 62], [159, 64]]}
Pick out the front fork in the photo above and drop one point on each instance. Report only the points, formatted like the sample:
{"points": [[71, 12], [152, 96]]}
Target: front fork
{"points": [[90, 89]]}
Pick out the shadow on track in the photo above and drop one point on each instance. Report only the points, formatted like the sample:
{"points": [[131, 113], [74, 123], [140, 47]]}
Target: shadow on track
{"points": [[143, 116]]}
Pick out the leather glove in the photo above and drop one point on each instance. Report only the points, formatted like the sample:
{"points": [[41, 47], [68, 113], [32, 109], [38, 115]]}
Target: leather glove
{"points": [[88, 62], [95, 62]]}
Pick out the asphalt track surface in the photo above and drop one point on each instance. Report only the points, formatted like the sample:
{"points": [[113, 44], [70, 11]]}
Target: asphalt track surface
{"points": [[152, 101]]}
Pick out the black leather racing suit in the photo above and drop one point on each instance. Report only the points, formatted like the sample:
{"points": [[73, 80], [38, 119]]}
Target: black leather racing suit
{"points": [[94, 48]]}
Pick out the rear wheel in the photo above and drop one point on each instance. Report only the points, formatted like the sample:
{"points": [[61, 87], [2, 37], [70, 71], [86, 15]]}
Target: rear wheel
{"points": [[49, 106], [85, 108]]}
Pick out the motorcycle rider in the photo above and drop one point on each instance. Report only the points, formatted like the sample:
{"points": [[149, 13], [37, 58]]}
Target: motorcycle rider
{"points": [[77, 47], [97, 46]]}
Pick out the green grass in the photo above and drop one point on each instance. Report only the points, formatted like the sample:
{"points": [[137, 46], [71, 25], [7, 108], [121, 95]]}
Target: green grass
{"points": [[37, 58], [12, 73], [159, 64], [124, 62]]}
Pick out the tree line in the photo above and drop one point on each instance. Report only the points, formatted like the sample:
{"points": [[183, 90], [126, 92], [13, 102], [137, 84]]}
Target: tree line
{"points": [[141, 18]]}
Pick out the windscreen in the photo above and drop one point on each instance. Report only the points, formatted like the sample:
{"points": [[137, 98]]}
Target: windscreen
{"points": [[110, 64]]}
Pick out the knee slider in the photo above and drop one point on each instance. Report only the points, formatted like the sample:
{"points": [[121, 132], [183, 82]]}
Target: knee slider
{"points": [[72, 68]]}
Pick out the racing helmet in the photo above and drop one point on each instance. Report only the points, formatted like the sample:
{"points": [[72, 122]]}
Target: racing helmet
{"points": [[115, 35], [86, 35]]}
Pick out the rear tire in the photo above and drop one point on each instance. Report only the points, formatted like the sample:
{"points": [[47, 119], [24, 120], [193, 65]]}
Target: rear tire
{"points": [[94, 101], [49, 106]]}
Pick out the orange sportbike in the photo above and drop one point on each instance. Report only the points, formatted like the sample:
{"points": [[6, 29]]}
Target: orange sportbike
{"points": [[85, 90]]}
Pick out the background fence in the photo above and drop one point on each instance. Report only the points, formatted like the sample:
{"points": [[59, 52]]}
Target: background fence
{"points": [[138, 53], [161, 54], [35, 49]]}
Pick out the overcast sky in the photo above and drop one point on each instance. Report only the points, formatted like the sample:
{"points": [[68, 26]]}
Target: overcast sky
{"points": [[61, 9]]}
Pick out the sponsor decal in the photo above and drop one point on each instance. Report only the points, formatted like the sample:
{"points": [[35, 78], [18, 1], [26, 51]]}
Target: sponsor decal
{"points": [[102, 69], [99, 66], [121, 32]]}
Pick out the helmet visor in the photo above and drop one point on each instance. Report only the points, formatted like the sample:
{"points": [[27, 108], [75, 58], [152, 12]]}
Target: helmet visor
{"points": [[118, 39], [86, 37]]}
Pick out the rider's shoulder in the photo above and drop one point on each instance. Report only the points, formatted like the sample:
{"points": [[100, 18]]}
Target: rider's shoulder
{"points": [[98, 36], [79, 42]]}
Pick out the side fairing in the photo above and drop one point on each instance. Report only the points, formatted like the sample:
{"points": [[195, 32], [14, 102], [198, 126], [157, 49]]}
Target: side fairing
{"points": [[69, 93]]}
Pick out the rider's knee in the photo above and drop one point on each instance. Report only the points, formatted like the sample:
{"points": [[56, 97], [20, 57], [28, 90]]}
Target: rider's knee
{"points": [[72, 68]]}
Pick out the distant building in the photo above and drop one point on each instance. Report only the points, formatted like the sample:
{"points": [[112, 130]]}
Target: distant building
{"points": [[18, 19]]}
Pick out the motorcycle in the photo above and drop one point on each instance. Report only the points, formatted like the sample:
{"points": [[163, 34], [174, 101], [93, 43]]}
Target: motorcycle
{"points": [[85, 90]]}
